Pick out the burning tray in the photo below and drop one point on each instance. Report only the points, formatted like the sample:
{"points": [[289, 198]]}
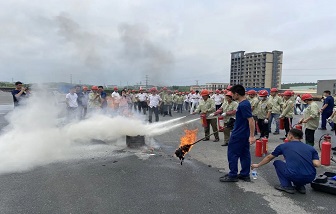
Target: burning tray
{"points": [[325, 183], [135, 141]]}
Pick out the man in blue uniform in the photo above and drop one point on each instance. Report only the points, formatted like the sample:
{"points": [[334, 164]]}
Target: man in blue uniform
{"points": [[326, 110], [241, 138], [299, 168], [18, 93]]}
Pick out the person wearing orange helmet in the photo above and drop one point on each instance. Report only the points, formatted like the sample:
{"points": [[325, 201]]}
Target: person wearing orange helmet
{"points": [[167, 99], [287, 112], [218, 98], [275, 103], [179, 99], [115, 98], [195, 98], [153, 102], [311, 118], [94, 100], [142, 101], [262, 113], [207, 106], [242, 137]]}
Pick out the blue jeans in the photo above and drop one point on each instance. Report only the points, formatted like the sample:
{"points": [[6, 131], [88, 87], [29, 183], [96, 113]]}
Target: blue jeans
{"points": [[156, 112], [276, 118], [286, 178], [239, 148]]}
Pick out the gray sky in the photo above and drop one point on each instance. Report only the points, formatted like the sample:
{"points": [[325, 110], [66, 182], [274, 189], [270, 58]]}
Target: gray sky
{"points": [[173, 42]]}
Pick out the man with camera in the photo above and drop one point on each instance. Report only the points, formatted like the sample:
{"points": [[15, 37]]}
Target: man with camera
{"points": [[19, 93]]}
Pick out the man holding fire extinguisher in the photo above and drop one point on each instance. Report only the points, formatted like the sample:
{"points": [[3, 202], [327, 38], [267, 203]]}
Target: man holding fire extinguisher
{"points": [[311, 118], [287, 112], [207, 106], [229, 113]]}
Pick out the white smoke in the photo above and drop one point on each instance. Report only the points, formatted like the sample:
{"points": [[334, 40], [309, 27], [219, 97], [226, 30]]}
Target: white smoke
{"points": [[34, 136]]}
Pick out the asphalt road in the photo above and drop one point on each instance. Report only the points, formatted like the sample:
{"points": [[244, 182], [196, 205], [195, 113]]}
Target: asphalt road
{"points": [[153, 181]]}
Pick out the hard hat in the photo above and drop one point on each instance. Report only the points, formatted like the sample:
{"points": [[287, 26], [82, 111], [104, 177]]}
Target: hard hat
{"points": [[176, 91], [153, 89], [287, 93], [252, 92], [306, 97], [293, 93], [229, 94], [115, 89], [229, 87], [94, 87], [274, 90], [193, 92], [225, 91], [85, 87], [204, 93], [180, 93], [164, 88], [133, 90], [263, 93], [217, 91]]}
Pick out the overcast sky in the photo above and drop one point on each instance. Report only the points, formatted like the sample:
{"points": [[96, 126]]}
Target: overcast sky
{"points": [[174, 42]]}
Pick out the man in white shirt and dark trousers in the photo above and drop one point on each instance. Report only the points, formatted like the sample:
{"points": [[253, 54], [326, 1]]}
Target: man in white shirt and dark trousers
{"points": [[72, 104], [142, 98], [154, 101]]}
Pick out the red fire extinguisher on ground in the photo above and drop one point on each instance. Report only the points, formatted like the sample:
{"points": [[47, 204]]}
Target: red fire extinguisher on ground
{"points": [[298, 126], [204, 120], [220, 123], [282, 123], [264, 145], [258, 148], [326, 150]]}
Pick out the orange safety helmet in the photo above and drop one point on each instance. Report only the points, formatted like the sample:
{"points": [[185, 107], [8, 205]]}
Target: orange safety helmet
{"points": [[176, 91], [217, 91], [287, 93], [306, 97], [164, 88], [94, 87], [85, 87], [115, 89], [274, 90], [229, 94], [229, 87], [204, 93], [263, 93], [251, 92]]}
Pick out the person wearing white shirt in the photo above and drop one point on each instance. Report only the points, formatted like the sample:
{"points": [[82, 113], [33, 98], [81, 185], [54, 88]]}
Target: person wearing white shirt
{"points": [[154, 101], [297, 104], [115, 98], [142, 100], [218, 98], [195, 98], [72, 104], [186, 101]]}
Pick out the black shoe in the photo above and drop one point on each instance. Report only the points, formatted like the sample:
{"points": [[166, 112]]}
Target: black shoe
{"points": [[216, 140], [334, 148], [289, 190], [282, 138], [301, 189], [206, 139], [322, 129], [244, 178], [276, 133], [227, 178], [225, 144]]}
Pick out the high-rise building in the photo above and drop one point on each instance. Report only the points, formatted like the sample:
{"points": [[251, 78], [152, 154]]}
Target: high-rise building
{"points": [[256, 70]]}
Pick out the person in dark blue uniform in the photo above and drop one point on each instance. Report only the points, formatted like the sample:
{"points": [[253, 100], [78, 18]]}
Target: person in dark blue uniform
{"points": [[241, 138], [327, 110], [299, 168], [18, 93]]}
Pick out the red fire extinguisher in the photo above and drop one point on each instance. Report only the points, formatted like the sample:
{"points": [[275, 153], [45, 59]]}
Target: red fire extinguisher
{"points": [[326, 151], [204, 120], [282, 123], [258, 148], [286, 140], [220, 123], [264, 145], [298, 126]]}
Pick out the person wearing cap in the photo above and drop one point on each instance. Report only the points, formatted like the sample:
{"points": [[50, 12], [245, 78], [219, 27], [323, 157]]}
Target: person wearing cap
{"points": [[134, 100], [274, 110], [167, 99], [311, 118], [299, 167], [252, 94], [262, 113], [153, 102], [242, 137], [179, 101], [297, 104], [186, 101], [142, 100], [218, 98], [94, 99], [287, 112], [228, 111], [85, 100], [327, 110], [207, 106], [115, 98], [195, 98]]}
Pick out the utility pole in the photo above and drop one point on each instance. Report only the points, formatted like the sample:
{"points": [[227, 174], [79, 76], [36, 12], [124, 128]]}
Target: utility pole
{"points": [[196, 82]]}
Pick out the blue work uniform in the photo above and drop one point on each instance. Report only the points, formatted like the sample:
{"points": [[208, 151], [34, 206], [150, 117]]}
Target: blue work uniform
{"points": [[327, 112], [239, 145], [298, 167]]}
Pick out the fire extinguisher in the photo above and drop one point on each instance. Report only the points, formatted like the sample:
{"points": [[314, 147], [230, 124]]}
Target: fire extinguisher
{"points": [[220, 123], [264, 145], [326, 150], [258, 148], [298, 126], [282, 123], [204, 120], [286, 140]]}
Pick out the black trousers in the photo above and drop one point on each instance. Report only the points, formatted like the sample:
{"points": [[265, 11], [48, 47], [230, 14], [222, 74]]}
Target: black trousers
{"points": [[218, 106], [213, 123], [263, 128], [309, 135], [288, 123], [143, 106], [154, 110]]}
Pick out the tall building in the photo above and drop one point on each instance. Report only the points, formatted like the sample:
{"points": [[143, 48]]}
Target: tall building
{"points": [[256, 70]]}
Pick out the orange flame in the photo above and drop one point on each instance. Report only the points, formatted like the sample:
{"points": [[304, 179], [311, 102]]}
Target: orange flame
{"points": [[186, 143]]}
